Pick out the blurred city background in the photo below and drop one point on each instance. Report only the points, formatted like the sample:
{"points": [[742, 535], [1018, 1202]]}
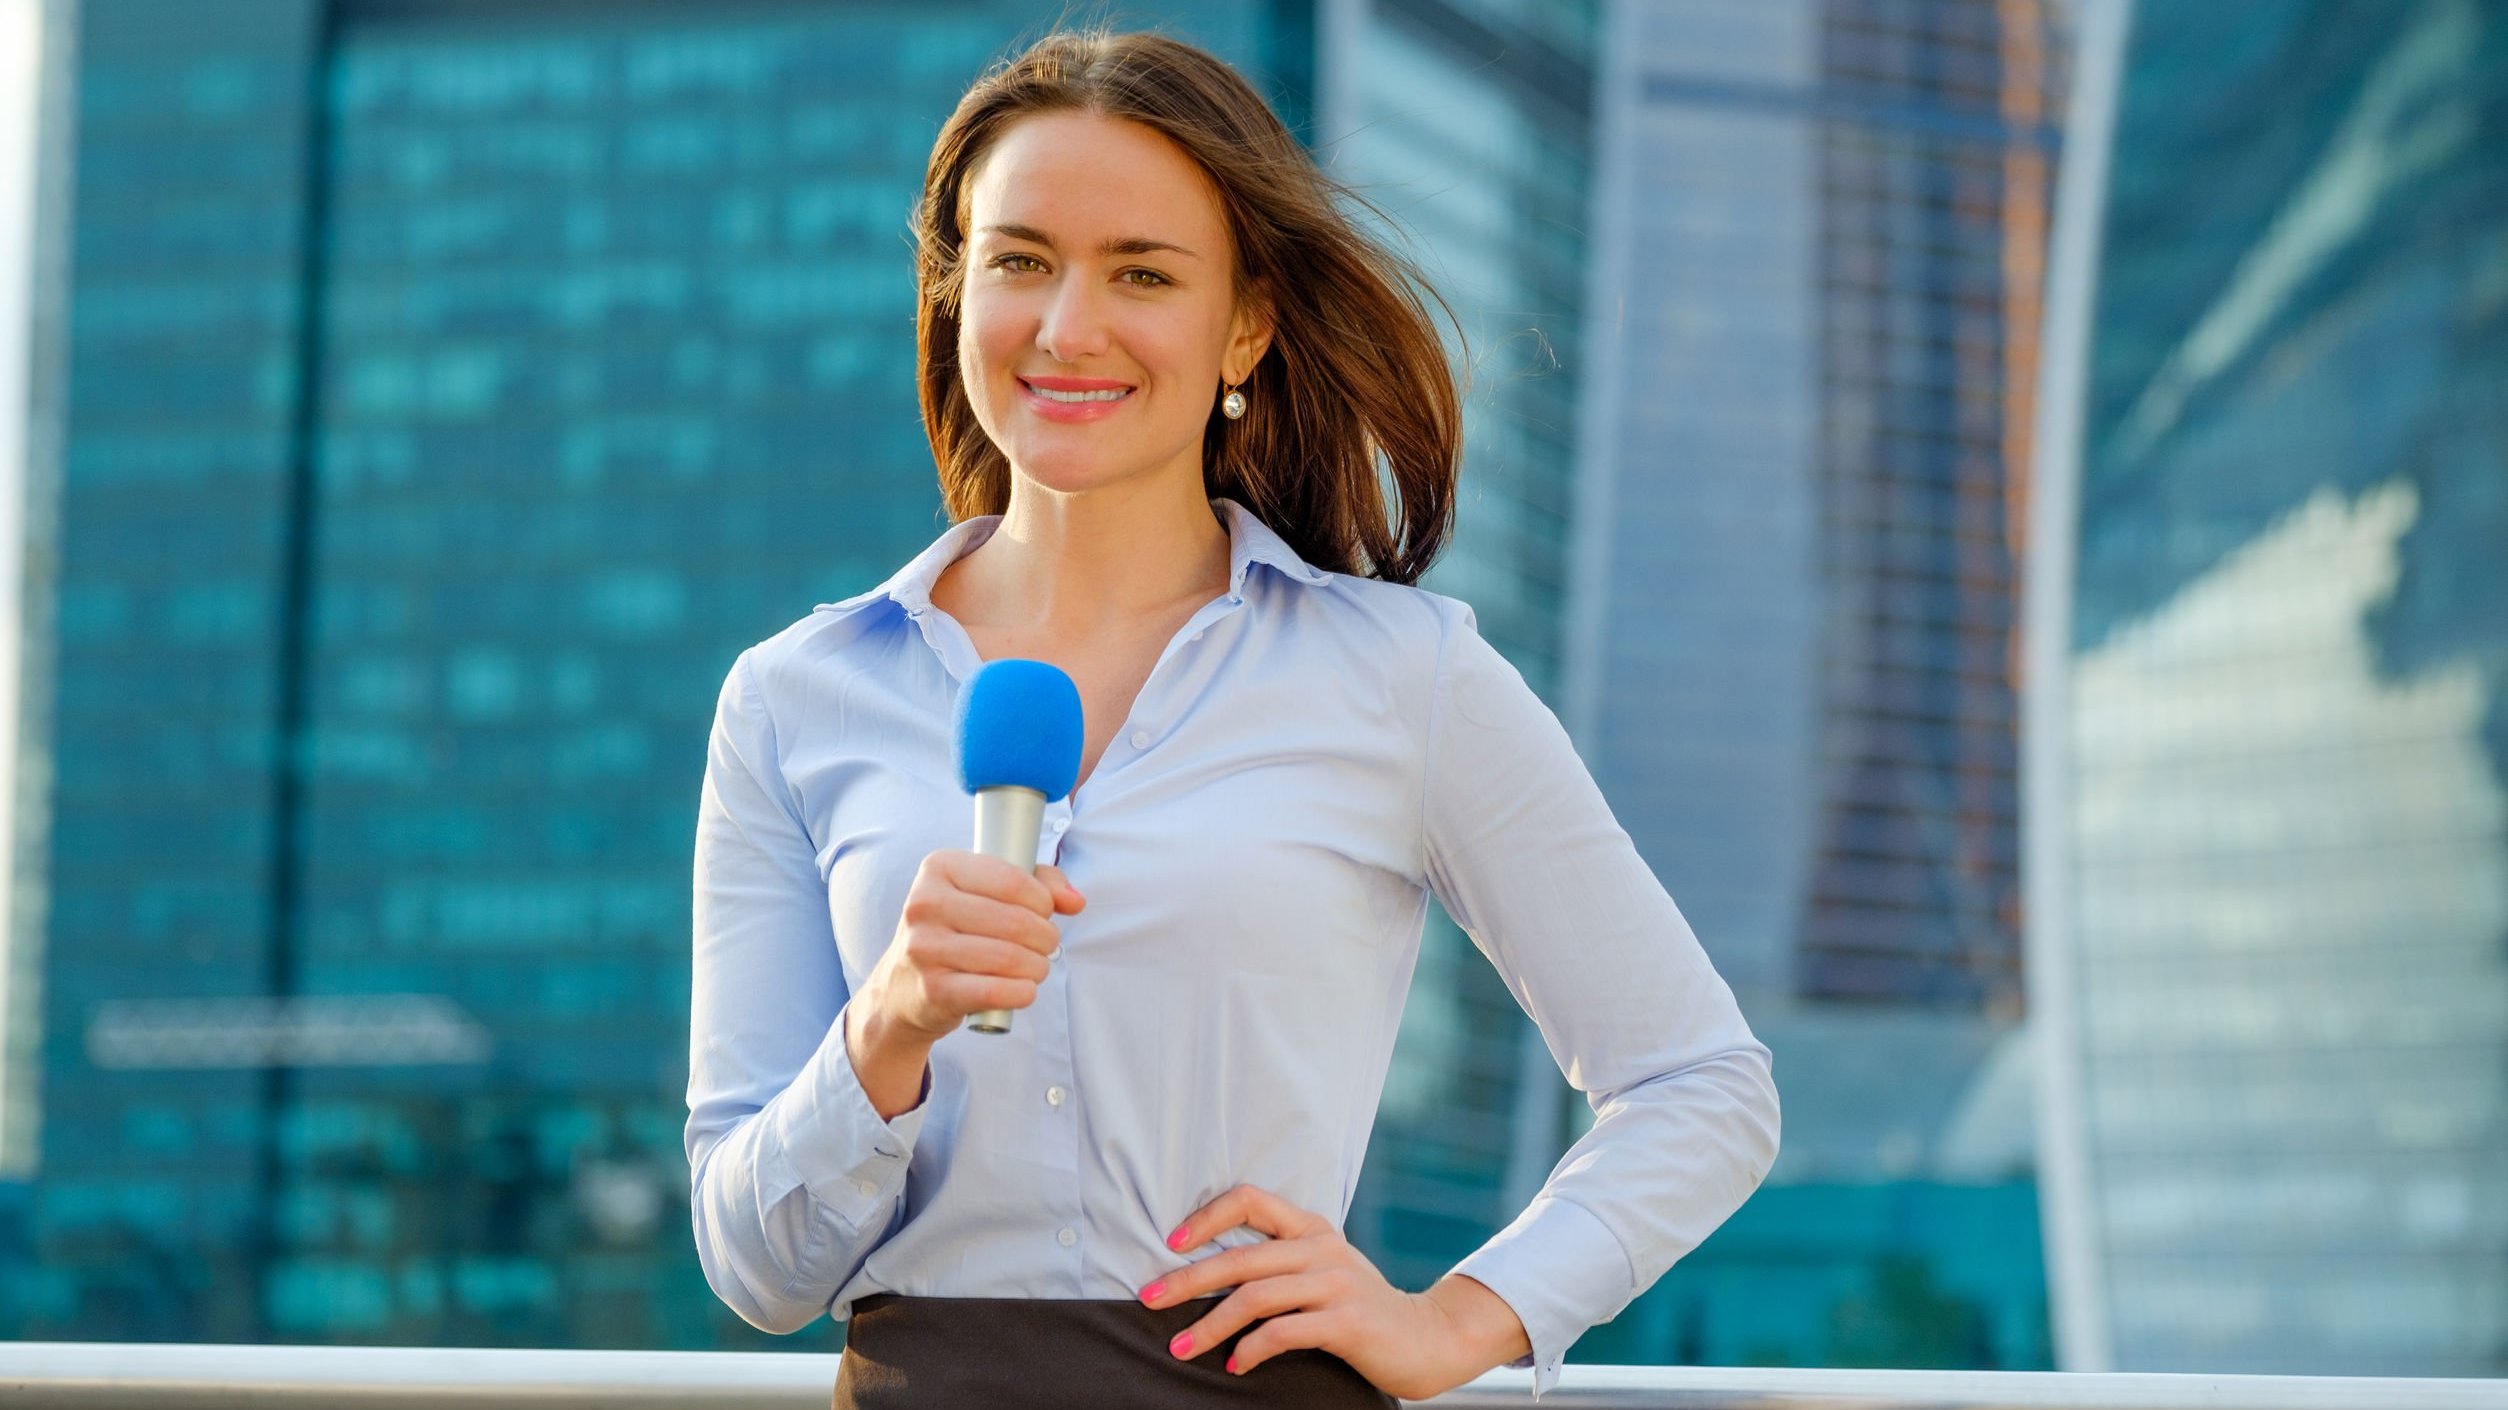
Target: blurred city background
{"points": [[2009, 496]]}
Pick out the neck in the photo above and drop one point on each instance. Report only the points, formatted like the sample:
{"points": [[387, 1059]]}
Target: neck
{"points": [[1082, 562]]}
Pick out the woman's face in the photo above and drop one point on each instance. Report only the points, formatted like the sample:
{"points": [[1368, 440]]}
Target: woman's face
{"points": [[1098, 319]]}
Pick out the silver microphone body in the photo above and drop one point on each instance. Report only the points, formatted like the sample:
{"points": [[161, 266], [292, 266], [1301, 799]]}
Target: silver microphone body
{"points": [[1008, 821]]}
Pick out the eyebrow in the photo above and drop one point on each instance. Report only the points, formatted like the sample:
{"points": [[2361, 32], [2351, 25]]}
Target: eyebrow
{"points": [[1130, 245]]}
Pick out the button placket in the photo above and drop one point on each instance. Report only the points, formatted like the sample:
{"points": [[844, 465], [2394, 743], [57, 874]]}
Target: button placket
{"points": [[1060, 1208]]}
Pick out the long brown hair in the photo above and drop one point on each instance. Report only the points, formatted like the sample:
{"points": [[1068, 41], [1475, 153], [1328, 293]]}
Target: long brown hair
{"points": [[1355, 371]]}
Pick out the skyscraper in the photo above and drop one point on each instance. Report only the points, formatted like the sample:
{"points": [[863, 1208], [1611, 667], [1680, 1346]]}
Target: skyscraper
{"points": [[2269, 754], [450, 390], [1816, 312], [1467, 124]]}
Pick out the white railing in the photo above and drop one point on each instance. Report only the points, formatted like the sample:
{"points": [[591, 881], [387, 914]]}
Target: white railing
{"points": [[88, 1375]]}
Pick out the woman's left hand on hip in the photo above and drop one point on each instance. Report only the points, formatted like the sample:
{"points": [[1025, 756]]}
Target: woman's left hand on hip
{"points": [[1317, 1290]]}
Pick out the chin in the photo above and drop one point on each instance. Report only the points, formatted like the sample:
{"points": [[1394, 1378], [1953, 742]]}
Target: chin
{"points": [[1067, 469]]}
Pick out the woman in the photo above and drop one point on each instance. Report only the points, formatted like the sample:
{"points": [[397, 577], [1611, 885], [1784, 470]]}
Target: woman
{"points": [[1157, 368]]}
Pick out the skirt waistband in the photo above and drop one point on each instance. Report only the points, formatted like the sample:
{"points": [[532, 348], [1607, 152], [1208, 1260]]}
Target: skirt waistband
{"points": [[907, 1353]]}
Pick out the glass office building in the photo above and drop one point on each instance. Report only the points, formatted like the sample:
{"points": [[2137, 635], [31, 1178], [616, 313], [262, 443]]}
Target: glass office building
{"points": [[451, 389], [1817, 318], [2273, 818], [1467, 125]]}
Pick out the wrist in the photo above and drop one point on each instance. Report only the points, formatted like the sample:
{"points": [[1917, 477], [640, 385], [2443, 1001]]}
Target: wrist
{"points": [[1486, 1331], [888, 1061]]}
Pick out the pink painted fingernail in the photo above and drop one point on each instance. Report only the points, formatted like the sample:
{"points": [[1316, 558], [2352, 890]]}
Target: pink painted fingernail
{"points": [[1176, 1239], [1150, 1293], [1182, 1345], [1232, 1366]]}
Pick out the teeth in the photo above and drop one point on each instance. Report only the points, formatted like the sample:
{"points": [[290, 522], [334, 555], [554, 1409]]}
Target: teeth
{"points": [[1111, 394]]}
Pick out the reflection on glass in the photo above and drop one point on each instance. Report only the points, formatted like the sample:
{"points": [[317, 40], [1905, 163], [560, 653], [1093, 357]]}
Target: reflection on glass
{"points": [[1804, 704], [455, 390], [2289, 696]]}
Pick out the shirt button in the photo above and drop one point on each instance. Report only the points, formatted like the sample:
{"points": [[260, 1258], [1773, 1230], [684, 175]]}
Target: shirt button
{"points": [[1066, 1238], [867, 1187], [1062, 824], [1054, 1095], [1140, 739]]}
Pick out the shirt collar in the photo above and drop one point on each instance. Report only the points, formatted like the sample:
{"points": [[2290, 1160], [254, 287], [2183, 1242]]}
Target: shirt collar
{"points": [[1250, 541]]}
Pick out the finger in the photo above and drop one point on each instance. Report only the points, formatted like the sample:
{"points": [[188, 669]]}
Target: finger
{"points": [[974, 993], [1299, 1329], [1250, 1205], [985, 956], [1067, 897], [983, 916], [991, 876], [1229, 1268], [1266, 1297]]}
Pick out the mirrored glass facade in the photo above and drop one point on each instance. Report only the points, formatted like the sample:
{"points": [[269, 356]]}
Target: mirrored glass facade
{"points": [[1823, 294], [2284, 811], [169, 554], [1467, 125], [452, 389]]}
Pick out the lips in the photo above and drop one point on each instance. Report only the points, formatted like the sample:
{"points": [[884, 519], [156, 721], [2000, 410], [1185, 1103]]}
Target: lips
{"points": [[1072, 398], [1077, 384], [1077, 391]]}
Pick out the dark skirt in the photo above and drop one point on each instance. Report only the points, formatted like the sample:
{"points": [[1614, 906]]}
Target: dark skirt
{"points": [[929, 1353]]}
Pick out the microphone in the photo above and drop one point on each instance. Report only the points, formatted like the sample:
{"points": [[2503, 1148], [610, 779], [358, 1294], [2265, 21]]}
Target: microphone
{"points": [[1019, 735]]}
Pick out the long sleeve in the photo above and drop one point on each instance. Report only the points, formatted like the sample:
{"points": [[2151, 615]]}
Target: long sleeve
{"points": [[795, 1178], [1526, 856]]}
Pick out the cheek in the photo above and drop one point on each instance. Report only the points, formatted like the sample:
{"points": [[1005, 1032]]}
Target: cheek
{"points": [[985, 371], [1176, 348], [974, 357], [989, 339]]}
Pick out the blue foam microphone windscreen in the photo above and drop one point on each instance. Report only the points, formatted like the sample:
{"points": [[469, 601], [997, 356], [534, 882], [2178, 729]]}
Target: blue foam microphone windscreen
{"points": [[1019, 725]]}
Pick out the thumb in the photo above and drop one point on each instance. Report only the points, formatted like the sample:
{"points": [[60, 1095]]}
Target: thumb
{"points": [[1067, 898]]}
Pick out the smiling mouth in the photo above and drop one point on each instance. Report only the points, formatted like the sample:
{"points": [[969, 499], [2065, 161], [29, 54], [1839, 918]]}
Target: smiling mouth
{"points": [[1077, 398]]}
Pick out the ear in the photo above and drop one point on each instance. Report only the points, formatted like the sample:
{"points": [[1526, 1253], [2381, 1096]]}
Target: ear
{"points": [[1249, 336]]}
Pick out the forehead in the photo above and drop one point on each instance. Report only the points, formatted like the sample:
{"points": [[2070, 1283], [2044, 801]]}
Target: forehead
{"points": [[1080, 178]]}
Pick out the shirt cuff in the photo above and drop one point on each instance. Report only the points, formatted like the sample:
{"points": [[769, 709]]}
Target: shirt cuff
{"points": [[1562, 1270], [837, 1145]]}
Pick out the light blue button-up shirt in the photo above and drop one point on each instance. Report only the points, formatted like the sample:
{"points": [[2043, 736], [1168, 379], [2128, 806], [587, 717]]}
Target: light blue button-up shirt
{"points": [[1313, 755]]}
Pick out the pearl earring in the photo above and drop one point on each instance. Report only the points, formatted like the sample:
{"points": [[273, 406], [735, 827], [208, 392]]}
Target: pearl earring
{"points": [[1232, 405]]}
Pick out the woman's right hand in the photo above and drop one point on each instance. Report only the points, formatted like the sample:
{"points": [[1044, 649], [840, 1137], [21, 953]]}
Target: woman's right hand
{"points": [[976, 933]]}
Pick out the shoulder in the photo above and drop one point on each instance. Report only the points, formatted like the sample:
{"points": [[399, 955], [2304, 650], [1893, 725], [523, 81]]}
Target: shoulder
{"points": [[833, 642], [1432, 643], [1397, 643], [1403, 619]]}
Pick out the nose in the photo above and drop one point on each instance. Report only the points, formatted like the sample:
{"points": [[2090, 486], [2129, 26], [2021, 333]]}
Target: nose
{"points": [[1072, 328]]}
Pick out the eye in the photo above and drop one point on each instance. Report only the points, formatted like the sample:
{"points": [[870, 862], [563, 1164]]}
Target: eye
{"points": [[1004, 261], [1156, 278]]}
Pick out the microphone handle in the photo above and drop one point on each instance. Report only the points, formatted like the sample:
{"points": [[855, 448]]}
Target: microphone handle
{"points": [[1008, 822]]}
